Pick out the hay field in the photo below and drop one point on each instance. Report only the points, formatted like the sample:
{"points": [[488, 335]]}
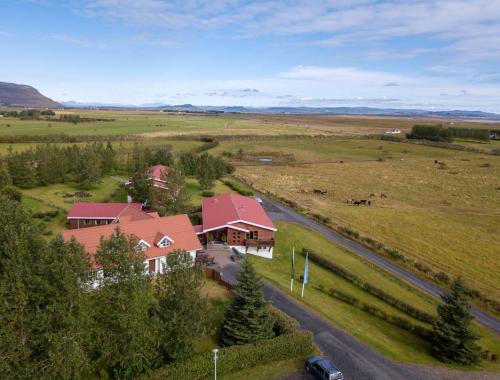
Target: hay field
{"points": [[445, 215]]}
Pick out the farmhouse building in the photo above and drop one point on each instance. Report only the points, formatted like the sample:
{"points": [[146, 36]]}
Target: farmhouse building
{"points": [[156, 237], [89, 214], [239, 222]]}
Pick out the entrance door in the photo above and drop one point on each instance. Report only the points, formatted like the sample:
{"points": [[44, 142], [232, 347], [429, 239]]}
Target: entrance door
{"points": [[152, 266]]}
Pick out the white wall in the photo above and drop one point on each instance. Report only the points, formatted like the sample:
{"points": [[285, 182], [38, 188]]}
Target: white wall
{"points": [[265, 253]]}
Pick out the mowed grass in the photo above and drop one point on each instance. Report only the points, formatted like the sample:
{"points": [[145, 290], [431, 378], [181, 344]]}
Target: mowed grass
{"points": [[194, 190], [53, 195], [389, 340], [447, 216]]}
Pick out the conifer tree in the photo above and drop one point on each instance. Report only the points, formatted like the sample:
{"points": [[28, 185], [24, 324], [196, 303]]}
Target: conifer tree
{"points": [[5, 179], [248, 319], [453, 341], [179, 307]]}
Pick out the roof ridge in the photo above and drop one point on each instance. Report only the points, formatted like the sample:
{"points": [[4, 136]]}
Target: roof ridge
{"points": [[235, 207]]}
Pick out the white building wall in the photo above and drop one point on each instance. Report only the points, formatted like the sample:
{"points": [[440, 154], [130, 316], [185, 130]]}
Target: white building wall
{"points": [[265, 253]]}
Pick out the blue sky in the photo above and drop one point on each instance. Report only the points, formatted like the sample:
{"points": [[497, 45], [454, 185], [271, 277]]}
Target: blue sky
{"points": [[404, 54]]}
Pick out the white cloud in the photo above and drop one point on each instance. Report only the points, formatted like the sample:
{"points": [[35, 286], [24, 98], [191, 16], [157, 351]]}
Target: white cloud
{"points": [[72, 40]]}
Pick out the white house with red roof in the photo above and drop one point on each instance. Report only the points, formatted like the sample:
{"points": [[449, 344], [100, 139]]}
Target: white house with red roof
{"points": [[238, 221], [90, 214], [156, 237]]}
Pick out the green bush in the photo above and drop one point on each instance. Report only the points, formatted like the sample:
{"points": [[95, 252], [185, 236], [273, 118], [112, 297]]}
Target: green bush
{"points": [[283, 324], [373, 290], [238, 188], [237, 358], [207, 193]]}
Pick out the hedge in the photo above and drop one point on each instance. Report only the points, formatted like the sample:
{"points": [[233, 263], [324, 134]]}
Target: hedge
{"points": [[379, 313], [283, 323], [373, 290], [238, 188], [237, 358]]}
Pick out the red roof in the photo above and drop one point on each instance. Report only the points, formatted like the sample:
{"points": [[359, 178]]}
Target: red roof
{"points": [[156, 172], [91, 210], [177, 228], [234, 209]]}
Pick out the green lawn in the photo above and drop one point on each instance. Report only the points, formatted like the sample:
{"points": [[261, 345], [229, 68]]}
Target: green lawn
{"points": [[53, 195], [271, 371], [389, 340], [195, 192]]}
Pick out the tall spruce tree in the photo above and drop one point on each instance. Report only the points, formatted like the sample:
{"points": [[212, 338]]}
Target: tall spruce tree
{"points": [[248, 319], [5, 179], [179, 307], [124, 340], [453, 341]]}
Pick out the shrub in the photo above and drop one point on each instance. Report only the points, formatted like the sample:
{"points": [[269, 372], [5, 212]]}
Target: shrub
{"points": [[284, 324], [207, 193], [238, 188], [237, 358]]}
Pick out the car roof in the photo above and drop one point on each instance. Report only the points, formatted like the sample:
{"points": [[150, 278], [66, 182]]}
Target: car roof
{"points": [[328, 365]]}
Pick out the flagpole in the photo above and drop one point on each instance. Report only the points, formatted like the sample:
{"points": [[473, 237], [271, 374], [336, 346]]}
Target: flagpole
{"points": [[293, 260], [305, 278], [303, 289]]}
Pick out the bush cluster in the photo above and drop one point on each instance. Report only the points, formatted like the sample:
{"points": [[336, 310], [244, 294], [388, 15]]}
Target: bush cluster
{"points": [[283, 323], [207, 193], [237, 358], [207, 146], [373, 290], [47, 215], [238, 188], [379, 313]]}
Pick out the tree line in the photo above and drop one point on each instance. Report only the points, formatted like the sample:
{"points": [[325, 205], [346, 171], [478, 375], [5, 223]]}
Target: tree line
{"points": [[440, 133], [172, 199], [49, 164]]}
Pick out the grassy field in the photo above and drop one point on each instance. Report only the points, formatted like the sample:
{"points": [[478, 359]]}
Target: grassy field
{"points": [[160, 124], [445, 215], [394, 342]]}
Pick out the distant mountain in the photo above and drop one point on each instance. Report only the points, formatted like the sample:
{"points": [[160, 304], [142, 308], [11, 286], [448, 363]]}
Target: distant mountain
{"points": [[20, 95], [359, 111]]}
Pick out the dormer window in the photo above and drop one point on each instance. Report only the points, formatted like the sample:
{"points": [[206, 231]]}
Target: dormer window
{"points": [[164, 242], [143, 245]]}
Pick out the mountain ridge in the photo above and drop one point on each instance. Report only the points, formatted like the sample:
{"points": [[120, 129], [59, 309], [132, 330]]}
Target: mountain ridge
{"points": [[22, 95]]}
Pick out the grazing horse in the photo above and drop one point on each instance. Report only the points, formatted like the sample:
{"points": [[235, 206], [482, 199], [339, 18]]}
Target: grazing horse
{"points": [[372, 195], [383, 195], [356, 203], [369, 203], [362, 202]]}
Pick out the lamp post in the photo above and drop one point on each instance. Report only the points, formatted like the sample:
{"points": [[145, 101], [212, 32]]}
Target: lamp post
{"points": [[215, 351]]}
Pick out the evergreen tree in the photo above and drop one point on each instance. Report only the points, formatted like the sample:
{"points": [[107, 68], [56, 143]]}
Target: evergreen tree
{"points": [[108, 158], [89, 171], [172, 199], [5, 179], [124, 340], [180, 308], [453, 340], [248, 319]]}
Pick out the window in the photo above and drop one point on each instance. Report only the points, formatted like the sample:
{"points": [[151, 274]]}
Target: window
{"points": [[253, 235], [97, 221], [86, 221], [142, 246], [164, 243]]}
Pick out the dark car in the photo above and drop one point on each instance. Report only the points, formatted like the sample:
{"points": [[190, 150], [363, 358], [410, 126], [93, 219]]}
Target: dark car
{"points": [[323, 369]]}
